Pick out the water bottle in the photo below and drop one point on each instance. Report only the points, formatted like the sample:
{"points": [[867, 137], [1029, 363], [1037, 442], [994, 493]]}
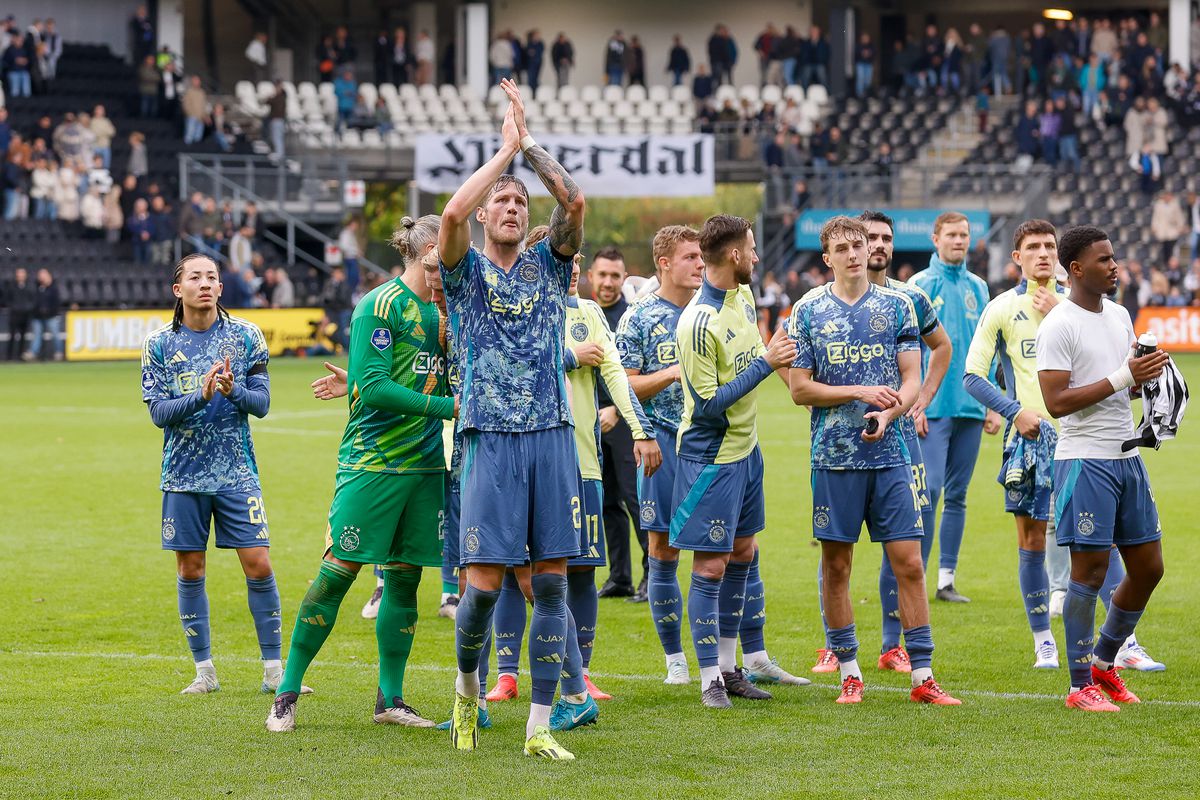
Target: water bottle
{"points": [[1147, 343]]}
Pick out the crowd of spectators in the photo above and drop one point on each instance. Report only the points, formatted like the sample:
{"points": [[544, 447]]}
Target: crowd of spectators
{"points": [[29, 58], [64, 171]]}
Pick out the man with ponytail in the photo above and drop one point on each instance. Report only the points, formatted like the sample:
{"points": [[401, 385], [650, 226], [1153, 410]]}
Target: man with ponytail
{"points": [[202, 377], [388, 498]]}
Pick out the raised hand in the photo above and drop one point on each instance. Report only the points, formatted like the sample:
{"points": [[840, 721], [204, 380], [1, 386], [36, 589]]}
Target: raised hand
{"points": [[516, 105], [331, 387], [781, 352], [588, 354], [208, 386], [225, 377], [508, 131]]}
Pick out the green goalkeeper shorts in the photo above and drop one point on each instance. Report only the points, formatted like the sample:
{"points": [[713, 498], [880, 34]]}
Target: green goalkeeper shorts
{"points": [[385, 518]]}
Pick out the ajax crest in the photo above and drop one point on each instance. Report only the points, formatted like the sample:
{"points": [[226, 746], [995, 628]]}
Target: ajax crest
{"points": [[716, 531], [1086, 524], [648, 512], [878, 323], [471, 543], [579, 332], [529, 272], [349, 541], [821, 517], [168, 529]]}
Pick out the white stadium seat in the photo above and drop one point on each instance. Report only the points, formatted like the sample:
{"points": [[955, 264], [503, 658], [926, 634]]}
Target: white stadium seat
{"points": [[544, 93], [725, 92], [589, 94], [681, 94], [427, 92], [407, 91], [635, 94], [448, 91], [749, 92], [599, 109], [794, 92], [659, 94], [657, 126], [818, 94], [681, 125], [772, 94], [612, 94], [622, 110], [647, 109], [635, 125], [568, 94]]}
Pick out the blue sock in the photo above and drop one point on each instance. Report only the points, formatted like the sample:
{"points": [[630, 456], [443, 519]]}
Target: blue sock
{"points": [[547, 635], [471, 623], [449, 577], [889, 601], [263, 597], [1112, 578], [1079, 624], [484, 661], [844, 643], [1035, 588], [821, 603], [919, 643], [754, 613], [702, 606], [584, 605], [572, 669], [378, 570], [193, 613], [928, 521], [1117, 627], [732, 598], [666, 604], [509, 623]]}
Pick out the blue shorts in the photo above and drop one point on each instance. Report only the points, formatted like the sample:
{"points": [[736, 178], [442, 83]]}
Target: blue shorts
{"points": [[450, 551], [913, 443], [595, 553], [656, 493], [1102, 502], [520, 497], [885, 499], [1026, 500], [239, 517], [713, 501]]}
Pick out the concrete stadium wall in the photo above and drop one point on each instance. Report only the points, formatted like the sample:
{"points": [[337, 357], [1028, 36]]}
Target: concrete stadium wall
{"points": [[589, 25]]}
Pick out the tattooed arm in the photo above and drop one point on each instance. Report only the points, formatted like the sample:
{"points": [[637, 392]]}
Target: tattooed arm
{"points": [[566, 222], [454, 238]]}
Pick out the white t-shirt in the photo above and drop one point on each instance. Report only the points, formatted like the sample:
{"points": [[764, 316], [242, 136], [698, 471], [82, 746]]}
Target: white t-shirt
{"points": [[1091, 347]]}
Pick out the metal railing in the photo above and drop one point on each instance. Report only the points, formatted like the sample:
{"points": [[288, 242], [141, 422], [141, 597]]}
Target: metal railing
{"points": [[221, 179]]}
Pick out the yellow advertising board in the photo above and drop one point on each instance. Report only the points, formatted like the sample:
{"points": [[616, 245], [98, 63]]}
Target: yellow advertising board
{"points": [[118, 335]]}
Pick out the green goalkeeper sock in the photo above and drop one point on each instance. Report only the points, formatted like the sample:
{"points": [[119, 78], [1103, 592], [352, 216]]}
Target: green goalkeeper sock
{"points": [[395, 627], [318, 611]]}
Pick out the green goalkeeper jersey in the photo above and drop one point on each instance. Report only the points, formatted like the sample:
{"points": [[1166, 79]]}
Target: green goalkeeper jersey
{"points": [[398, 389]]}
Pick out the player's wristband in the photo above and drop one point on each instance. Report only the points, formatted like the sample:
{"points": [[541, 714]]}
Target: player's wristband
{"points": [[1121, 379], [527, 142]]}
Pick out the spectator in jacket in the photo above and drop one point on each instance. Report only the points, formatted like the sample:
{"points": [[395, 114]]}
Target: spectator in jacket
{"points": [[17, 66], [149, 83], [722, 55], [47, 318], [113, 217], [141, 231], [424, 54], [764, 47], [702, 85], [195, 111], [679, 62], [562, 55], [635, 62], [54, 49], [335, 300], [864, 65], [346, 90], [535, 54], [43, 184], [501, 57], [91, 211], [1167, 224], [614, 59], [164, 232], [1027, 131], [814, 59], [22, 301], [66, 194], [139, 163], [401, 57]]}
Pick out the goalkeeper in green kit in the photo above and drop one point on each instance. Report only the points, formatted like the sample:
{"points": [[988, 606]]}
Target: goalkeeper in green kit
{"points": [[388, 501]]}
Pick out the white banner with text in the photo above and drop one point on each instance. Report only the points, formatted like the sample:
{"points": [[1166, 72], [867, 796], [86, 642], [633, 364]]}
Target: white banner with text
{"points": [[603, 166]]}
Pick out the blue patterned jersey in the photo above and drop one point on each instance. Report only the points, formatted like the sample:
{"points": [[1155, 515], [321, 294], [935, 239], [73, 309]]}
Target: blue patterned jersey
{"points": [[210, 450], [510, 335], [646, 342], [927, 323], [848, 345], [454, 379]]}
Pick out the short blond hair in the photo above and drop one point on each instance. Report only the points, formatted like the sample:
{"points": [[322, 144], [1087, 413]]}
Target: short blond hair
{"points": [[947, 218], [536, 234], [841, 227], [669, 238]]}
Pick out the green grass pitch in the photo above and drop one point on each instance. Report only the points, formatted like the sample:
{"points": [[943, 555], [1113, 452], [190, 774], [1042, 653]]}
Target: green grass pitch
{"points": [[92, 657]]}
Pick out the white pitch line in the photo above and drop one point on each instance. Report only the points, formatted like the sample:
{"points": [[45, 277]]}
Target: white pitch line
{"points": [[605, 675], [340, 411]]}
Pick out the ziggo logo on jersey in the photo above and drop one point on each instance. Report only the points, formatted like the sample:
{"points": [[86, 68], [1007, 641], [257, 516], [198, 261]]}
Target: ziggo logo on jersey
{"points": [[853, 352], [523, 306], [426, 364]]}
